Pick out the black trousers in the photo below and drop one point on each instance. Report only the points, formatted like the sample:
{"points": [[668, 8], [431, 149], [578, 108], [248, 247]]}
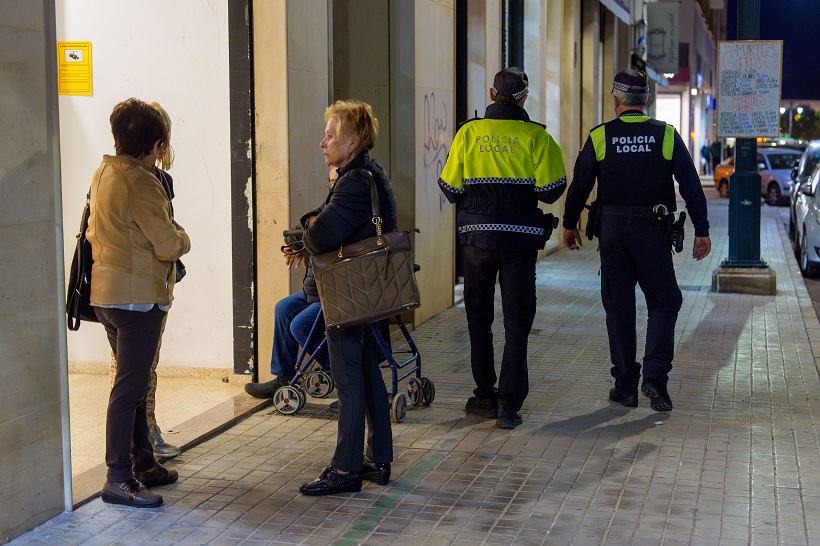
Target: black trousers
{"points": [[133, 336], [516, 275], [354, 363], [635, 251]]}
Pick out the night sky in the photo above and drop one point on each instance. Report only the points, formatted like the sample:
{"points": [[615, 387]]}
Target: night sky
{"points": [[797, 23]]}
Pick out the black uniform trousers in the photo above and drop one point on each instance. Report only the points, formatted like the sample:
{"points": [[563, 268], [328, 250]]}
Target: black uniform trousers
{"points": [[354, 363], [133, 336], [635, 251], [516, 275]]}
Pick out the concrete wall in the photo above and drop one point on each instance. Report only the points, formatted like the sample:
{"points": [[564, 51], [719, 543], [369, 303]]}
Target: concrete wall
{"points": [[404, 70], [175, 53], [34, 441], [291, 68], [435, 106]]}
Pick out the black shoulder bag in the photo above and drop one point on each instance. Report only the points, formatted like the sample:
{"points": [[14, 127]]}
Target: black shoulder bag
{"points": [[78, 300]]}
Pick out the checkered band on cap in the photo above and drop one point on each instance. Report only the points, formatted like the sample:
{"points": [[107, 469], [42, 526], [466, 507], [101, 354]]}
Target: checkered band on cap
{"points": [[516, 96]]}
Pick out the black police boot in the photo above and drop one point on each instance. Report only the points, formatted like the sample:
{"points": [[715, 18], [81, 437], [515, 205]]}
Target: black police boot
{"points": [[657, 394], [630, 400], [483, 407]]}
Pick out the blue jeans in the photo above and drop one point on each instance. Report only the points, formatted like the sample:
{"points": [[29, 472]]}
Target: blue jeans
{"points": [[293, 318]]}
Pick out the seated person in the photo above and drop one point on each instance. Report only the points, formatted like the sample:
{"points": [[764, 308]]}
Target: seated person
{"points": [[293, 319]]}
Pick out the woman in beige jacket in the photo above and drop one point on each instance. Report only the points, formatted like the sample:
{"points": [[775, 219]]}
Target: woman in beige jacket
{"points": [[135, 243]]}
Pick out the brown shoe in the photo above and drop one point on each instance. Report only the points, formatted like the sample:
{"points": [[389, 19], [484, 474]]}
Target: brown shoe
{"points": [[130, 493], [159, 475]]}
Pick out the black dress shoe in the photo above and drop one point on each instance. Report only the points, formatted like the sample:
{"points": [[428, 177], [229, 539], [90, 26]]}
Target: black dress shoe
{"points": [[266, 389], [377, 472], [331, 482], [657, 394], [623, 398], [159, 475], [334, 406], [130, 493]]}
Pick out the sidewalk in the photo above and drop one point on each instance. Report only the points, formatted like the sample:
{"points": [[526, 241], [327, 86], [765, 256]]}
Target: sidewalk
{"points": [[735, 463]]}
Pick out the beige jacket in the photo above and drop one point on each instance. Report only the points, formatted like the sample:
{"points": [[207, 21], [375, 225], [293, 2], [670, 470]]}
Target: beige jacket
{"points": [[133, 238]]}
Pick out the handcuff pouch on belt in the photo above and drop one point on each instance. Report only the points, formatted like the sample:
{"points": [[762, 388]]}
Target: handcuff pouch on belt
{"points": [[593, 228], [660, 216], [550, 223]]}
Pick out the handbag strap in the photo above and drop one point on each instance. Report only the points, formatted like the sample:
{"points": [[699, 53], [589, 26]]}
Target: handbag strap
{"points": [[374, 205]]}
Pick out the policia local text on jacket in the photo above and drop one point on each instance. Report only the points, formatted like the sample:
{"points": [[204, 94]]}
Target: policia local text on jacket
{"points": [[498, 169], [634, 158]]}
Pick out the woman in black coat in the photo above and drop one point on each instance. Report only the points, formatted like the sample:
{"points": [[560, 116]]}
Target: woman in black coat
{"points": [[354, 356]]}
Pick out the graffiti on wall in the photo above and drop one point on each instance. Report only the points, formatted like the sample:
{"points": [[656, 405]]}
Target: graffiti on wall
{"points": [[434, 133]]}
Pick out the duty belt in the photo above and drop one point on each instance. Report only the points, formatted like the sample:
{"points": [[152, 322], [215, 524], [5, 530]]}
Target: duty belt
{"points": [[625, 209]]}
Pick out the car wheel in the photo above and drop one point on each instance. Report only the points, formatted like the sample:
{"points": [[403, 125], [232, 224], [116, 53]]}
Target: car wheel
{"points": [[806, 267], [773, 195], [723, 188]]}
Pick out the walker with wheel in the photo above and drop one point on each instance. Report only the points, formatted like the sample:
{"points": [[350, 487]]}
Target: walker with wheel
{"points": [[312, 381]]}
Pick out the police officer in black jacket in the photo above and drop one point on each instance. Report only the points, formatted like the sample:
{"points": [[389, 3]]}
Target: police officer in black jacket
{"points": [[634, 159]]}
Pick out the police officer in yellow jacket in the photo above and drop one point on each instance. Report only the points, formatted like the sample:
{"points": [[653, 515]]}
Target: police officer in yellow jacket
{"points": [[498, 168], [634, 158]]}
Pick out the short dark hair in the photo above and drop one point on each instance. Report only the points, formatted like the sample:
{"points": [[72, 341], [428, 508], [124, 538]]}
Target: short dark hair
{"points": [[137, 126]]}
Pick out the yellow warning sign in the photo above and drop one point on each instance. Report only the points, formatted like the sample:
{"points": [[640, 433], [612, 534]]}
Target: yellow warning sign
{"points": [[74, 68]]}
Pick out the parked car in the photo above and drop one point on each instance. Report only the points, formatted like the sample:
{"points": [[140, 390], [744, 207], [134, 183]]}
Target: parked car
{"points": [[807, 225], [774, 165], [801, 174]]}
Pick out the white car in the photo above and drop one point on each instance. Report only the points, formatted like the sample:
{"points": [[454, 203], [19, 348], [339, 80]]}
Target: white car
{"points": [[807, 225], [775, 167]]}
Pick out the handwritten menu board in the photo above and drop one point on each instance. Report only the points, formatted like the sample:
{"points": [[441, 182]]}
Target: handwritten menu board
{"points": [[748, 98]]}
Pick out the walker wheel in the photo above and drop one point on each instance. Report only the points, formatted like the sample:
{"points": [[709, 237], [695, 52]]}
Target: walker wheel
{"points": [[428, 391], [398, 408], [319, 384], [302, 397], [414, 395], [288, 399]]}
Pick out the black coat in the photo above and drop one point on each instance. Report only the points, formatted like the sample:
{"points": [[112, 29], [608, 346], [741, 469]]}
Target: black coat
{"points": [[309, 282], [347, 217]]}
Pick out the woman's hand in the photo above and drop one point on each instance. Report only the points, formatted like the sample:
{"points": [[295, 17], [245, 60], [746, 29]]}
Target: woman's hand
{"points": [[293, 261]]}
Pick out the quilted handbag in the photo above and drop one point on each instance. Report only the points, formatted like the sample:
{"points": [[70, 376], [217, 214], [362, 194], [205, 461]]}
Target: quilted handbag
{"points": [[367, 281]]}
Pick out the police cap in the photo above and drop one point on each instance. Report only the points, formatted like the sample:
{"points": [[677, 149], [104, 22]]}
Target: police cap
{"points": [[631, 81], [511, 81]]}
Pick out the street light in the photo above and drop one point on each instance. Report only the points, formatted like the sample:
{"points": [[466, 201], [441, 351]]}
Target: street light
{"points": [[791, 111]]}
